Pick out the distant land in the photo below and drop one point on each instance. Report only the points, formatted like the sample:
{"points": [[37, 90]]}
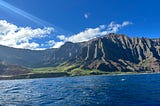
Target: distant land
{"points": [[110, 54]]}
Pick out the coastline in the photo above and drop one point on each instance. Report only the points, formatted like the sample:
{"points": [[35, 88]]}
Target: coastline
{"points": [[64, 74]]}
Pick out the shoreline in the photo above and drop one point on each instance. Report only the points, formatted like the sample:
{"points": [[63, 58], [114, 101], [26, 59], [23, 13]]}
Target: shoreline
{"points": [[64, 74]]}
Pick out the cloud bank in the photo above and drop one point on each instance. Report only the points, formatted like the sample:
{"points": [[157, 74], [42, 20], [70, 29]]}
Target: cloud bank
{"points": [[24, 37], [91, 33], [21, 37]]}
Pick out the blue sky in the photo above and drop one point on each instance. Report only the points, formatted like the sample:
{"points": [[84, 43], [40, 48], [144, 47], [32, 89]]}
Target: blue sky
{"points": [[50, 23]]}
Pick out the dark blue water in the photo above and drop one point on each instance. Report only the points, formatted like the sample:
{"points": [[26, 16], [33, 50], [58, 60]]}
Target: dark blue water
{"points": [[121, 90]]}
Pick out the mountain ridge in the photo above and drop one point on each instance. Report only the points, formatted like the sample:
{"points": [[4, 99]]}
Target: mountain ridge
{"points": [[136, 51], [112, 52]]}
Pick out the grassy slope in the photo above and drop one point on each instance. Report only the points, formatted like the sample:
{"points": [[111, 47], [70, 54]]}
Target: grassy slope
{"points": [[73, 70], [60, 71]]}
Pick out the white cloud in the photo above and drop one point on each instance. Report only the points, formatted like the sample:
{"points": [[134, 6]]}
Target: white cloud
{"points": [[54, 44], [88, 34], [58, 44], [113, 27], [125, 23], [27, 45], [61, 37], [20, 37], [91, 33], [86, 15], [51, 43]]}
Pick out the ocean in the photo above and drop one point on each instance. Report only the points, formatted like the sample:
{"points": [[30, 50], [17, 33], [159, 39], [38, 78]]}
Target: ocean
{"points": [[100, 90]]}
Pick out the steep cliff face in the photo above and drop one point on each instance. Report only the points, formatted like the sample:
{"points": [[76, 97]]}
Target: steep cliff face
{"points": [[120, 53], [22, 57], [54, 57]]}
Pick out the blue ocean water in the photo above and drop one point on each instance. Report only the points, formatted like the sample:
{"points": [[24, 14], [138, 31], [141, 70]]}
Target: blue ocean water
{"points": [[113, 90]]}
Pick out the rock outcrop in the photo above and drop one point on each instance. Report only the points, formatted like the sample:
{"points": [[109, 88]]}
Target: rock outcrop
{"points": [[121, 53]]}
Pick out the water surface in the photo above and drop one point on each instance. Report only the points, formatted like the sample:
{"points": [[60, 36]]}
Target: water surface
{"points": [[134, 90]]}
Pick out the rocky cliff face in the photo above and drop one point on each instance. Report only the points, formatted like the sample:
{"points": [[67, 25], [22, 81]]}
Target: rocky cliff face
{"points": [[120, 53], [68, 51], [112, 52]]}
